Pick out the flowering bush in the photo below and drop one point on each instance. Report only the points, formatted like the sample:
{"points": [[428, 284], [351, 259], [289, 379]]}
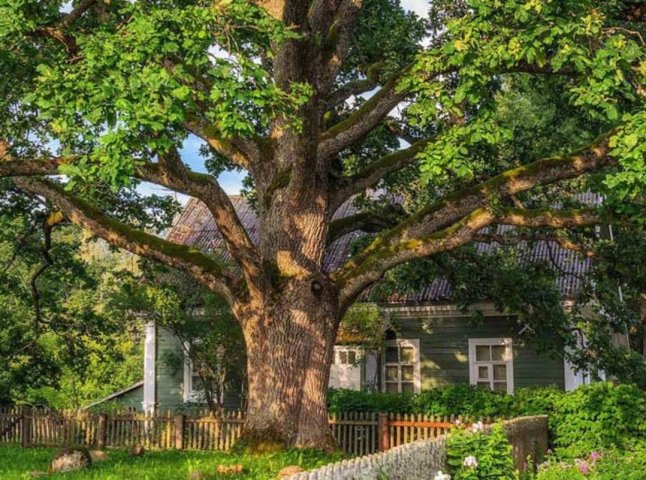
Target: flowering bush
{"points": [[476, 454], [615, 465]]}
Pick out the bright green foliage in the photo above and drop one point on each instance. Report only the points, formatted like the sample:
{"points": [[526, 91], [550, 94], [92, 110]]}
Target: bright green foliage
{"points": [[129, 97], [445, 401], [16, 462], [75, 349], [595, 417], [72, 344], [210, 336], [598, 417], [611, 465], [575, 39], [474, 454]]}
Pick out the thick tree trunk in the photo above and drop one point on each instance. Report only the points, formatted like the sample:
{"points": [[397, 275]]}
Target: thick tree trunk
{"points": [[289, 349]]}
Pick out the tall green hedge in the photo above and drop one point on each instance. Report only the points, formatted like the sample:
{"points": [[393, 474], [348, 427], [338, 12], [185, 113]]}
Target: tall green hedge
{"points": [[594, 417]]}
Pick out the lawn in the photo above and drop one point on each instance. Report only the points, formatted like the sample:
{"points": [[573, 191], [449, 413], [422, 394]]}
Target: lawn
{"points": [[17, 463]]}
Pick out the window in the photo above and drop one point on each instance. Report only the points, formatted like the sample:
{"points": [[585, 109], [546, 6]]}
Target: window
{"points": [[346, 356], [194, 386], [491, 363], [401, 371]]}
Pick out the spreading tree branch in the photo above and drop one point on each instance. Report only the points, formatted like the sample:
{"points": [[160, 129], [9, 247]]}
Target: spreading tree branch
{"points": [[460, 212], [354, 88], [518, 238], [362, 121], [200, 266], [511, 182], [172, 173], [37, 167], [242, 152], [376, 109], [337, 42], [374, 172], [76, 13], [381, 256], [372, 221]]}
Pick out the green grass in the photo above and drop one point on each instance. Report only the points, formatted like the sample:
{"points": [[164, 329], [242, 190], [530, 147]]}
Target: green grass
{"points": [[17, 463]]}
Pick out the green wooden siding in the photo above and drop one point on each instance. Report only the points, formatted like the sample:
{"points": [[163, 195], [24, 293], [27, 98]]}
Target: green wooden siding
{"points": [[444, 350], [169, 371], [132, 399]]}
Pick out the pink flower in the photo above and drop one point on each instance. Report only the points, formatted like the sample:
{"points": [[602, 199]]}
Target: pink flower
{"points": [[470, 462], [594, 456], [583, 466], [477, 427]]}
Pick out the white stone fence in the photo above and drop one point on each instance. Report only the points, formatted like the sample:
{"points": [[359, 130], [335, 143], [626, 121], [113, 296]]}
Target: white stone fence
{"points": [[422, 460]]}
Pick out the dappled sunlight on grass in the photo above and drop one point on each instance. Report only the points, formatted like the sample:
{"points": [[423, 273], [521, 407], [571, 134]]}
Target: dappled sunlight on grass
{"points": [[17, 463]]}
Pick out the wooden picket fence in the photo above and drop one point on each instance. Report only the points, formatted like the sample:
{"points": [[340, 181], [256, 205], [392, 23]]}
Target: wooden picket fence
{"points": [[356, 433]]}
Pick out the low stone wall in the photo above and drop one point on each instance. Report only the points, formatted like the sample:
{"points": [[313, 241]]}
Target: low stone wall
{"points": [[414, 461], [423, 459]]}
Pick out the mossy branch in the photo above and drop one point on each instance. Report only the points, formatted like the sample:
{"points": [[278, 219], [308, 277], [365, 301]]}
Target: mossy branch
{"points": [[364, 270], [171, 172], [448, 216], [375, 171], [207, 270], [23, 168], [370, 221]]}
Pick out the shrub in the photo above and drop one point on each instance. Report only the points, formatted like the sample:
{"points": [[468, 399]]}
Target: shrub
{"points": [[560, 471], [444, 401], [594, 417], [614, 465], [629, 465], [536, 401], [600, 416], [474, 454]]}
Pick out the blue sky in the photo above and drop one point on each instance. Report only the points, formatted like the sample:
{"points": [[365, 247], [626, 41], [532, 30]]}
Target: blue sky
{"points": [[232, 181]]}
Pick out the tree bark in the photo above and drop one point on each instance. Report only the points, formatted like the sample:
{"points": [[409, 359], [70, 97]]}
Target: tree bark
{"points": [[289, 352]]}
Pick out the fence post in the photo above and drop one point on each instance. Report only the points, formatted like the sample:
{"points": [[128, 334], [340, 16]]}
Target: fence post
{"points": [[384, 434], [26, 426], [101, 431], [179, 432]]}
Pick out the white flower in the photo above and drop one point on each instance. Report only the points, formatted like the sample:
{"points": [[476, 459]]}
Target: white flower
{"points": [[442, 476], [458, 422], [470, 462], [477, 427]]}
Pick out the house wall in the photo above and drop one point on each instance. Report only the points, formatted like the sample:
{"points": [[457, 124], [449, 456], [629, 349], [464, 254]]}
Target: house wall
{"points": [[444, 348], [131, 400], [169, 375]]}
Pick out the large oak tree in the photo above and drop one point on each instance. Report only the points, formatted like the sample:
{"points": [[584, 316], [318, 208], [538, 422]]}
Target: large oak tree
{"points": [[318, 101]]}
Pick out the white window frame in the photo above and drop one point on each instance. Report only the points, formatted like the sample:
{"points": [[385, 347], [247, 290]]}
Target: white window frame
{"points": [[508, 361], [417, 377]]}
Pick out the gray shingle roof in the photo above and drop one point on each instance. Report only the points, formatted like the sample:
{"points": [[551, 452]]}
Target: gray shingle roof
{"points": [[195, 226]]}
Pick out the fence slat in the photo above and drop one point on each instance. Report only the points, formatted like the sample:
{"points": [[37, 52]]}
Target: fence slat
{"points": [[356, 433]]}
